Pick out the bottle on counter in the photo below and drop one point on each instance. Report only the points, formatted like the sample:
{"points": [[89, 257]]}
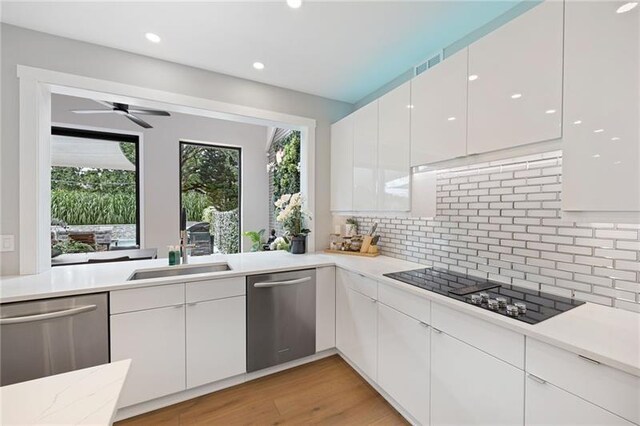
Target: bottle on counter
{"points": [[174, 255]]}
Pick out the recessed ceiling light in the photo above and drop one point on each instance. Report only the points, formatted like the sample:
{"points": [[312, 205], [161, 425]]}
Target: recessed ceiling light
{"points": [[294, 4], [596, 155], [627, 7], [473, 77], [451, 118], [615, 138], [598, 131], [258, 65], [410, 106], [550, 111], [617, 162], [516, 96], [154, 38], [577, 122]]}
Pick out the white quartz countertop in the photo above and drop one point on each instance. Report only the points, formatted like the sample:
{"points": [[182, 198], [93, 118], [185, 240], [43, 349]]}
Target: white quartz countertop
{"points": [[608, 335], [82, 397]]}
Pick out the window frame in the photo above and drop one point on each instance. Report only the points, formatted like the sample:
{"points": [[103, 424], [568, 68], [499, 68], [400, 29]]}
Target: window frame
{"points": [[114, 137], [240, 162]]}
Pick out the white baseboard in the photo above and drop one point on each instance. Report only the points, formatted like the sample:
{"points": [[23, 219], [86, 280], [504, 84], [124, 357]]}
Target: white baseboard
{"points": [[165, 401]]}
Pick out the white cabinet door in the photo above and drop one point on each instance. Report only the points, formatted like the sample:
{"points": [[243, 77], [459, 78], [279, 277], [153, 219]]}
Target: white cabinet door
{"points": [[365, 157], [393, 150], [325, 308], [516, 98], [548, 405], [342, 165], [403, 361], [601, 141], [216, 345], [154, 341], [471, 387], [439, 111], [356, 328]]}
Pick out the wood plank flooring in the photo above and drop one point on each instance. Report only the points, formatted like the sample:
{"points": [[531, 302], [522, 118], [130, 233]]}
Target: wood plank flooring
{"points": [[327, 392]]}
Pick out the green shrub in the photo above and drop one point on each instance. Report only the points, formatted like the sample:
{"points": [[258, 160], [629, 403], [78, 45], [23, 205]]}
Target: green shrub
{"points": [[224, 227], [93, 208], [195, 203]]}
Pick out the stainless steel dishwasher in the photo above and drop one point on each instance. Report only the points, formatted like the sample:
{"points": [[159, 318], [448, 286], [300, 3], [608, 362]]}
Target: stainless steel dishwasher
{"points": [[281, 317], [51, 336]]}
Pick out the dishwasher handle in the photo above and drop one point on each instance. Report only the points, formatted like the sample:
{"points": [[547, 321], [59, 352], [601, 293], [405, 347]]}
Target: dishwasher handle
{"points": [[266, 284], [48, 315]]}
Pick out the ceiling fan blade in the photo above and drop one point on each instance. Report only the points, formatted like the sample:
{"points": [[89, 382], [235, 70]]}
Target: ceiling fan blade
{"points": [[93, 111], [138, 121], [149, 112], [105, 103]]}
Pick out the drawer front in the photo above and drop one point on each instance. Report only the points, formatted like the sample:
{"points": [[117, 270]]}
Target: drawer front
{"points": [[215, 289], [138, 299], [495, 340], [612, 389], [405, 302], [358, 282]]}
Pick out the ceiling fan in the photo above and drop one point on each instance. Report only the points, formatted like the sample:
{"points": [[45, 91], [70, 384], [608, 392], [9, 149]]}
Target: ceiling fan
{"points": [[124, 109]]}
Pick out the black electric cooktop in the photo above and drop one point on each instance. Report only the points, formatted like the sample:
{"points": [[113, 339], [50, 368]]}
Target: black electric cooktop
{"points": [[535, 306]]}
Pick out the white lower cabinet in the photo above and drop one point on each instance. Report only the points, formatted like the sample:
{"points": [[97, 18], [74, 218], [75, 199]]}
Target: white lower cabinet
{"points": [[471, 387], [216, 345], [547, 405], [403, 361], [356, 328], [154, 341]]}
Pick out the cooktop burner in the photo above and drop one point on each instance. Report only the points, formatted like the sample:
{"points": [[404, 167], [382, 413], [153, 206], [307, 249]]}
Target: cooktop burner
{"points": [[530, 306]]}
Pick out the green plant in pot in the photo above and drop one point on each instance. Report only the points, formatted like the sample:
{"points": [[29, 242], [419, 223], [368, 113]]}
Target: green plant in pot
{"points": [[256, 239], [292, 216], [351, 227]]}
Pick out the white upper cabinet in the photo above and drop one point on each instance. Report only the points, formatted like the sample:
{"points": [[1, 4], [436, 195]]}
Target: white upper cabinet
{"points": [[515, 81], [439, 111], [342, 165], [394, 175], [601, 152], [365, 157]]}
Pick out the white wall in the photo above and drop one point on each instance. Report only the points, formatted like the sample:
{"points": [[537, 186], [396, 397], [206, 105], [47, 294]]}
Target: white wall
{"points": [[26, 47], [160, 163]]}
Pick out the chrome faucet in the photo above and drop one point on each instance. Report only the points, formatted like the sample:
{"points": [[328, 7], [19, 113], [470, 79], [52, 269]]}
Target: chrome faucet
{"points": [[184, 246]]}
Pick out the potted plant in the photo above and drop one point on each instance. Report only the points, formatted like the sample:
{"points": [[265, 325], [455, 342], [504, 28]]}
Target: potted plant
{"points": [[351, 228], [292, 216], [256, 239]]}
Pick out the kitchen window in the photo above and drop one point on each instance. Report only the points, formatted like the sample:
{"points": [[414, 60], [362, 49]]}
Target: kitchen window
{"points": [[95, 194], [210, 191]]}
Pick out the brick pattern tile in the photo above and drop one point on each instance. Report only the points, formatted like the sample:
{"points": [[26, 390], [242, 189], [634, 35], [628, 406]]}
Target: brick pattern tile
{"points": [[502, 221]]}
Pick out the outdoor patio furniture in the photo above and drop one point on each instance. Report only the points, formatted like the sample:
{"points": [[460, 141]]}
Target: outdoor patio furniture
{"points": [[83, 237], [103, 238], [203, 242]]}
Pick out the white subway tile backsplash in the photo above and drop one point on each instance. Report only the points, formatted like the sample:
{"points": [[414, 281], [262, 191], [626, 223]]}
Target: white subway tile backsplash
{"points": [[502, 221], [621, 235]]}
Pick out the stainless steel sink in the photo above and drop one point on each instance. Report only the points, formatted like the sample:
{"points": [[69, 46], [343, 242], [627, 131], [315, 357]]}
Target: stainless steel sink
{"points": [[177, 271]]}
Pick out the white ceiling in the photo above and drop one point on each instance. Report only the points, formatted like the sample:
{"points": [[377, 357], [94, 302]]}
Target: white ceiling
{"points": [[339, 50]]}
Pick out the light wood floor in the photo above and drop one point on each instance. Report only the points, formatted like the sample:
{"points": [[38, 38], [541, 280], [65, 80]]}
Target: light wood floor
{"points": [[327, 392]]}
